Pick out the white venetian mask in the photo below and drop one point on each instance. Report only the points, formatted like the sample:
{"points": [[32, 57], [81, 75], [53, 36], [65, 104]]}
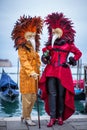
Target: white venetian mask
{"points": [[57, 33], [30, 36]]}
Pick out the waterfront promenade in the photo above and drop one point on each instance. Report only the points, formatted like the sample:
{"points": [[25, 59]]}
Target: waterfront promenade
{"points": [[76, 122]]}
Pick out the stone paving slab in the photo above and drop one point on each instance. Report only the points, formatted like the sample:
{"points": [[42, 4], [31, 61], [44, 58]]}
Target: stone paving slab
{"points": [[16, 125], [3, 128], [65, 126], [70, 124], [79, 125], [3, 125]]}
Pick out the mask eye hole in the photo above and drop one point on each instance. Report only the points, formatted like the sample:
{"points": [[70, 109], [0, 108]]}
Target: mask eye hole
{"points": [[57, 31], [29, 35]]}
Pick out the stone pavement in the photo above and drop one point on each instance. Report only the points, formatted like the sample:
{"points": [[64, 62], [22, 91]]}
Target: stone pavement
{"points": [[76, 122]]}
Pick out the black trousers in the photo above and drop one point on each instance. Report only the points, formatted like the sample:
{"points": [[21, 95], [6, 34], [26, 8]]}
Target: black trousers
{"points": [[56, 93]]}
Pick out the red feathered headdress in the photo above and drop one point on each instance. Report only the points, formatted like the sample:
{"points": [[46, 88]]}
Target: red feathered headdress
{"points": [[58, 20], [26, 24]]}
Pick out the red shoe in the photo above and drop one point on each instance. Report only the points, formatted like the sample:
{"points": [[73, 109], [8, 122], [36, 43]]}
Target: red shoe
{"points": [[60, 121], [51, 122]]}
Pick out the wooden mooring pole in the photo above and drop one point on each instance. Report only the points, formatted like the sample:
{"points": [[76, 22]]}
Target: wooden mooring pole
{"points": [[85, 85]]}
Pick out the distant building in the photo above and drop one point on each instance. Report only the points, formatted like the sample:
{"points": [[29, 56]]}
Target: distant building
{"points": [[5, 63]]}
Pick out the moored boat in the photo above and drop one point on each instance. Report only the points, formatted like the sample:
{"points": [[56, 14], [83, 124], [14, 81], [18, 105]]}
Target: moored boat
{"points": [[79, 89], [8, 88]]}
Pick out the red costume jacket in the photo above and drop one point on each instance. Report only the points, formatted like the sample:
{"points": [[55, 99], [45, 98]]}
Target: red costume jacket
{"points": [[58, 56]]}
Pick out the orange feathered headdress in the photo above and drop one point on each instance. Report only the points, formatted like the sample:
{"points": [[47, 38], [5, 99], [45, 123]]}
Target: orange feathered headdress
{"points": [[26, 24], [58, 20]]}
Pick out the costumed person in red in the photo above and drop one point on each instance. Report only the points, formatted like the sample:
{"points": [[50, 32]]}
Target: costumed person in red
{"points": [[26, 36], [56, 82]]}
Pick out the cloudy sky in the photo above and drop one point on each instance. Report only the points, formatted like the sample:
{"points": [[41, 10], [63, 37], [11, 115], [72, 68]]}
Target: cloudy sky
{"points": [[11, 10]]}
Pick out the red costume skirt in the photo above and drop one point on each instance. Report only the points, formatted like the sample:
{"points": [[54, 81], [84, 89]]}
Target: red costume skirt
{"points": [[65, 76]]}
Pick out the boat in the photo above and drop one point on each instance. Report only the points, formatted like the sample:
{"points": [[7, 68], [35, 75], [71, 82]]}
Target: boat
{"points": [[8, 88], [79, 89], [79, 83]]}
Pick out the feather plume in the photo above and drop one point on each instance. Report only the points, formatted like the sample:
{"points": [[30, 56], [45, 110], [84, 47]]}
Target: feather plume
{"points": [[26, 24], [58, 20]]}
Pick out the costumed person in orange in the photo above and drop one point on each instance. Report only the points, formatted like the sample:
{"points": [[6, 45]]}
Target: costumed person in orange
{"points": [[26, 36], [56, 82]]}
